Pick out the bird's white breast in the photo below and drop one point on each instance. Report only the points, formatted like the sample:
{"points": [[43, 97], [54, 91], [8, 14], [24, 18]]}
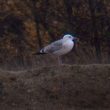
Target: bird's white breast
{"points": [[66, 47]]}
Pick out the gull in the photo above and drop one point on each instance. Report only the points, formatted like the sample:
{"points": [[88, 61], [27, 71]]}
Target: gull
{"points": [[59, 47]]}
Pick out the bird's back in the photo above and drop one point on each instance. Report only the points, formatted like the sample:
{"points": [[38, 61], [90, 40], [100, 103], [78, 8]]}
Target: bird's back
{"points": [[66, 47]]}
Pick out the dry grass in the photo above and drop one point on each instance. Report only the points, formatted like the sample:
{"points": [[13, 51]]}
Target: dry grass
{"points": [[67, 87]]}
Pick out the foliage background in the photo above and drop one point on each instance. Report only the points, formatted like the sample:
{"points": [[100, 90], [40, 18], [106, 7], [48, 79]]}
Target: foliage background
{"points": [[28, 25]]}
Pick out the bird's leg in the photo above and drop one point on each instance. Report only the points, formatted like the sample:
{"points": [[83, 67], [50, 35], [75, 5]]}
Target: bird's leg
{"points": [[59, 60]]}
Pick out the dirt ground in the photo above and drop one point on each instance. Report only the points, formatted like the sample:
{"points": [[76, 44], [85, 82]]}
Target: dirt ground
{"points": [[67, 87]]}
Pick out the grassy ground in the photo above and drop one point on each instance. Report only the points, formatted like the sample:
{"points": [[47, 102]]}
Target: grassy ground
{"points": [[67, 87]]}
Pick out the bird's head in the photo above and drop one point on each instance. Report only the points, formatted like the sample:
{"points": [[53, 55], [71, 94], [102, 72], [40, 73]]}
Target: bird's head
{"points": [[68, 36]]}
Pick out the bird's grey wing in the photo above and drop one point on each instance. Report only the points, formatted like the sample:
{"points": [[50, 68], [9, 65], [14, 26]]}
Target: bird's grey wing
{"points": [[55, 46]]}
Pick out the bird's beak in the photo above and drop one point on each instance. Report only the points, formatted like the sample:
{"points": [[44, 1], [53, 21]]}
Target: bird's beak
{"points": [[76, 39]]}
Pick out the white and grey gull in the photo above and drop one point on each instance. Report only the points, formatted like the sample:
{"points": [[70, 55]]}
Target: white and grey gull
{"points": [[59, 47]]}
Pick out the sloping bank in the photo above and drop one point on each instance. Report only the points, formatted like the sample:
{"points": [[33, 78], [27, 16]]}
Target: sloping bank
{"points": [[83, 87]]}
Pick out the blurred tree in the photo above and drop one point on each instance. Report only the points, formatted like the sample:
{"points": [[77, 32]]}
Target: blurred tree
{"points": [[27, 25], [69, 11], [44, 21], [15, 25], [97, 43], [32, 6], [105, 25]]}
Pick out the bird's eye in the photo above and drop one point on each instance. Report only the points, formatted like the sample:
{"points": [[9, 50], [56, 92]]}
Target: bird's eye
{"points": [[69, 36]]}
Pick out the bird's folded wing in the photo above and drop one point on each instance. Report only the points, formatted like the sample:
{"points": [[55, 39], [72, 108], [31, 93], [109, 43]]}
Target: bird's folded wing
{"points": [[55, 46]]}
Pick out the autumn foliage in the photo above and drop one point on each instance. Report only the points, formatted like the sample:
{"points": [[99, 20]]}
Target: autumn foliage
{"points": [[28, 25]]}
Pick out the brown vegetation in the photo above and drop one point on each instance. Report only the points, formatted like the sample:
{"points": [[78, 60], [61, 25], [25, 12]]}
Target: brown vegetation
{"points": [[28, 25], [84, 87]]}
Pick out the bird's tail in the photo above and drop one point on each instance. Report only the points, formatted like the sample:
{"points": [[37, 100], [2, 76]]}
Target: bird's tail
{"points": [[41, 52]]}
